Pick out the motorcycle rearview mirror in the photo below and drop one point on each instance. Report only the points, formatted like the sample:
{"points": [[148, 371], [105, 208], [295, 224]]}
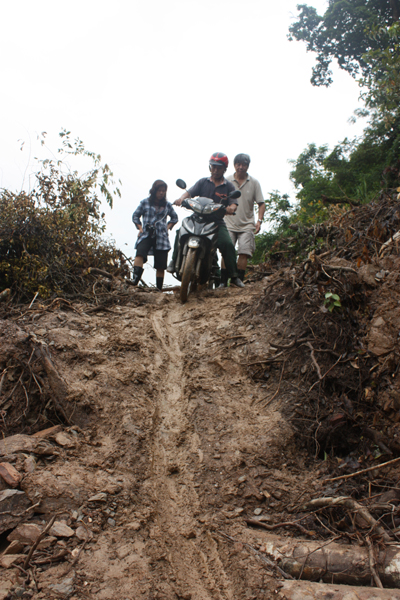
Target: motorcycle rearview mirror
{"points": [[181, 184], [235, 194]]}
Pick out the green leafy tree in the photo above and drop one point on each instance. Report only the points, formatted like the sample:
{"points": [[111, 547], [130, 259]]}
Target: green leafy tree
{"points": [[347, 32], [354, 172], [363, 36], [381, 84], [278, 211], [49, 236]]}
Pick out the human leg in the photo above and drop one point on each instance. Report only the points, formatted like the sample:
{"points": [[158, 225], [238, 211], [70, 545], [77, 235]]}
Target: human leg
{"points": [[241, 265], [242, 261], [138, 262], [227, 250], [171, 266], [137, 274], [159, 279], [160, 264], [224, 273], [142, 251], [246, 247]]}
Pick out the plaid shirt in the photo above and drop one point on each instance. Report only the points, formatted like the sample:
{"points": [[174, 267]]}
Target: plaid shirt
{"points": [[150, 216]]}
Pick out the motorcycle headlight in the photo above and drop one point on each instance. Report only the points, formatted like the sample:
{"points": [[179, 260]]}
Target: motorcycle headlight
{"points": [[210, 208], [195, 206]]}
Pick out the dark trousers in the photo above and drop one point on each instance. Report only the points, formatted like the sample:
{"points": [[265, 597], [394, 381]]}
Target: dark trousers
{"points": [[225, 246], [160, 256]]}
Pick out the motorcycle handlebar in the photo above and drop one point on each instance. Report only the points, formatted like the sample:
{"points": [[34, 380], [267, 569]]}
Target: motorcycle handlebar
{"points": [[186, 204]]}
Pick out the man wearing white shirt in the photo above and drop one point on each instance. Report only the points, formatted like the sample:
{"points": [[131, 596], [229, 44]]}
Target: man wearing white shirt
{"points": [[241, 226]]}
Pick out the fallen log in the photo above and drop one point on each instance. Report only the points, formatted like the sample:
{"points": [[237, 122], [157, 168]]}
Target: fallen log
{"points": [[332, 562], [139, 288], [306, 590]]}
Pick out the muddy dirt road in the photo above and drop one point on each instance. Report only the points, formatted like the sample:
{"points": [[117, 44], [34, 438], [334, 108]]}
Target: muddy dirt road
{"points": [[173, 451], [179, 411]]}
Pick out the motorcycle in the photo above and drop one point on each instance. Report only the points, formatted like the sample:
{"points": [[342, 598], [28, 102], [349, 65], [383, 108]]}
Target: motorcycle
{"points": [[196, 262]]}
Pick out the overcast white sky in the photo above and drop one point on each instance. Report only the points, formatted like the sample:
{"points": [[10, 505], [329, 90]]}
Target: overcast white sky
{"points": [[157, 86]]}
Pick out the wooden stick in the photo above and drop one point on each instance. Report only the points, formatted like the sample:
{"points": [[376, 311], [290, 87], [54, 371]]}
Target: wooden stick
{"points": [[52, 559], [385, 464], [36, 295], [339, 268], [316, 365], [325, 374], [40, 537], [351, 505], [277, 525], [96, 271], [372, 564]]}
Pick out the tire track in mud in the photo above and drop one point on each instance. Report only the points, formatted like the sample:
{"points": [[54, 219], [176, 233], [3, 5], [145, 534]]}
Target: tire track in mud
{"points": [[191, 553]]}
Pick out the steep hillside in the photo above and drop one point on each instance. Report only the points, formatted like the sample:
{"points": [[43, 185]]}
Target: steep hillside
{"points": [[180, 448]]}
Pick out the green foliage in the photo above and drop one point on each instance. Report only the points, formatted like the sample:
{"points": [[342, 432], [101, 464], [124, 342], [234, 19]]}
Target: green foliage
{"points": [[100, 177], [332, 301], [381, 85], [345, 33], [363, 36], [354, 170], [311, 179], [278, 211], [50, 235]]}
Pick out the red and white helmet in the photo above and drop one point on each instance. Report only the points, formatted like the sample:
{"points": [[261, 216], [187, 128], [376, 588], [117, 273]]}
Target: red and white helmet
{"points": [[219, 159]]}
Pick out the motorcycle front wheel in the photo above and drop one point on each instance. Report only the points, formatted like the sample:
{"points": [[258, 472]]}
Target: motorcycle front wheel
{"points": [[188, 272]]}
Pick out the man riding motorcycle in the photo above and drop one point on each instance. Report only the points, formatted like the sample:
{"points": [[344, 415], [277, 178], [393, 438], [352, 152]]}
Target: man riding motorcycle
{"points": [[216, 188]]}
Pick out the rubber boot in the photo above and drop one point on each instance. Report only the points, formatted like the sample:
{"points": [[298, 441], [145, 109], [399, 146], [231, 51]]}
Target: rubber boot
{"points": [[224, 279], [159, 282], [237, 282], [241, 273], [137, 274]]}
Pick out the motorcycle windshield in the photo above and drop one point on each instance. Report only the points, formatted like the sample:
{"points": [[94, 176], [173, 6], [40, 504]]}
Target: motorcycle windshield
{"points": [[204, 206]]}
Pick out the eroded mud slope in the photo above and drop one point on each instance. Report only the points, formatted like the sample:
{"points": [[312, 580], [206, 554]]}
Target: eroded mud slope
{"points": [[175, 440]]}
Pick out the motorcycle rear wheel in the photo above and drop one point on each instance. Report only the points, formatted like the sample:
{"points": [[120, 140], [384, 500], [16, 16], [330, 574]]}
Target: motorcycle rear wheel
{"points": [[188, 271]]}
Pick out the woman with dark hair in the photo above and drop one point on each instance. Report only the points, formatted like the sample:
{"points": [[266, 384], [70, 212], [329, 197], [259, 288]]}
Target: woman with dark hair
{"points": [[153, 232]]}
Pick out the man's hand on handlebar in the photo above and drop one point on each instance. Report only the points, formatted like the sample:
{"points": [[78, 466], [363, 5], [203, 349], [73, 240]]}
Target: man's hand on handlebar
{"points": [[181, 199], [231, 209]]}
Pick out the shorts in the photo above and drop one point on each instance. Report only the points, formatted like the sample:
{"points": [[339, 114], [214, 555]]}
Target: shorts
{"points": [[160, 256], [246, 241]]}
